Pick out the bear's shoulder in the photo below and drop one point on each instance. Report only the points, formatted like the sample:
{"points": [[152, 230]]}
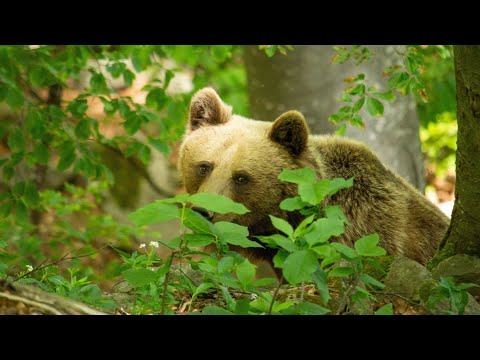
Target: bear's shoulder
{"points": [[343, 157]]}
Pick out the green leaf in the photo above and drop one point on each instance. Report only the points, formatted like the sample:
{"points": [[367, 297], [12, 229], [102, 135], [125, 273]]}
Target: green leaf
{"points": [[31, 196], [16, 140], [217, 203], [358, 105], [282, 225], [21, 212], [8, 172], [35, 124], [67, 156], [98, 84], [279, 258], [367, 246], [242, 307], [303, 228], [234, 234], [374, 107], [198, 240], [388, 95], [82, 130], [215, 310], [279, 240], [385, 310], [341, 271], [161, 146], [154, 213], [299, 266], [196, 222], [345, 250], [308, 308], [357, 90], [320, 279], [314, 193], [78, 107], [132, 122], [323, 230], [202, 288], [245, 272], [225, 264], [335, 212], [368, 280], [18, 189], [292, 204], [298, 176], [40, 154], [341, 130], [128, 77], [139, 277], [156, 99], [334, 185], [14, 98]]}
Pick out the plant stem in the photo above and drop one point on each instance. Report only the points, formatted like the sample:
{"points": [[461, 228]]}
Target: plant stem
{"points": [[165, 282], [274, 297]]}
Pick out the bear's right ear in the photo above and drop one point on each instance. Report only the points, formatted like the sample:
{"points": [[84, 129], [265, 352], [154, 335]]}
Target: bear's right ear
{"points": [[207, 109], [291, 131]]}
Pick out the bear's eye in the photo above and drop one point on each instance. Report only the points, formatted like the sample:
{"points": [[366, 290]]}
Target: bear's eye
{"points": [[241, 179], [204, 169]]}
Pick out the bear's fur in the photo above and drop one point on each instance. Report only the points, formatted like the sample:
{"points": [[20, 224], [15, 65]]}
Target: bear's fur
{"points": [[227, 154]]}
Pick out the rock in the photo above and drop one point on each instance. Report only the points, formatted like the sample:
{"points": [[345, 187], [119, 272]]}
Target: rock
{"points": [[406, 277], [195, 276], [463, 268]]}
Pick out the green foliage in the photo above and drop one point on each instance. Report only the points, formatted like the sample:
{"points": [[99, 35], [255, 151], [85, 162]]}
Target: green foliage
{"points": [[426, 71], [439, 143], [271, 50], [455, 295]]}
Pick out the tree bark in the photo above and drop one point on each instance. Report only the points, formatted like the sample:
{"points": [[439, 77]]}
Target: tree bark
{"points": [[464, 230], [307, 81]]}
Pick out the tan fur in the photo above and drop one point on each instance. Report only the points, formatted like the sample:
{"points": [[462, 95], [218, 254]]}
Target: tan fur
{"points": [[379, 201]]}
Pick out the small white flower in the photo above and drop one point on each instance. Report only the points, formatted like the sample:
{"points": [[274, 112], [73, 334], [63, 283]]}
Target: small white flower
{"points": [[29, 268], [253, 296], [142, 246], [154, 243]]}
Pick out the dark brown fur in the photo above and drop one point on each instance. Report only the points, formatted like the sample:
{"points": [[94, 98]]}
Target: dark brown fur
{"points": [[379, 201]]}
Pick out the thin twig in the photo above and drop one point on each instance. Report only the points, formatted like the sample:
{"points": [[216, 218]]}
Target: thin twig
{"points": [[63, 258]]}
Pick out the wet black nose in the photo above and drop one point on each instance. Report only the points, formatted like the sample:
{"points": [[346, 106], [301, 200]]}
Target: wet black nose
{"points": [[204, 212]]}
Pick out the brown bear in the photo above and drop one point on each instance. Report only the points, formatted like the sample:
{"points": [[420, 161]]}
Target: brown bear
{"points": [[228, 154]]}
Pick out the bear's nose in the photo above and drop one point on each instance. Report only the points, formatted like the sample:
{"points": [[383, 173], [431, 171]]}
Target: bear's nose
{"points": [[204, 212]]}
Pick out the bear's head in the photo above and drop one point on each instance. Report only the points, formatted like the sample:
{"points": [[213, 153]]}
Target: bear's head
{"points": [[227, 154]]}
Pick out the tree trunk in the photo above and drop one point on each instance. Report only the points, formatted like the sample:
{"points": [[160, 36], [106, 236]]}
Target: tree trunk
{"points": [[307, 81], [464, 230]]}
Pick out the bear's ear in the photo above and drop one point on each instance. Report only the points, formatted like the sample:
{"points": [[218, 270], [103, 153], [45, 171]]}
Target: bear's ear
{"points": [[207, 109], [290, 130]]}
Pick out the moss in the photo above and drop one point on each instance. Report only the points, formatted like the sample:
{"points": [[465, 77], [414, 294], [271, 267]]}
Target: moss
{"points": [[426, 289], [384, 261], [447, 251]]}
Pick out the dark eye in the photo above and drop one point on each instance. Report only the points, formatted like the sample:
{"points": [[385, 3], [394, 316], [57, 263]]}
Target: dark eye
{"points": [[241, 179], [204, 169]]}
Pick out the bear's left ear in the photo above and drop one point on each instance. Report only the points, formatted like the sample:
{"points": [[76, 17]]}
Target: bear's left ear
{"points": [[290, 130], [207, 109]]}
